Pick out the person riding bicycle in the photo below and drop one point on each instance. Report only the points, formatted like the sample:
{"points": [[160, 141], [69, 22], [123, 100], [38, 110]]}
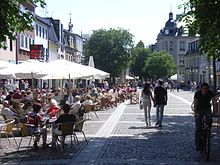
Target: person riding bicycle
{"points": [[202, 107]]}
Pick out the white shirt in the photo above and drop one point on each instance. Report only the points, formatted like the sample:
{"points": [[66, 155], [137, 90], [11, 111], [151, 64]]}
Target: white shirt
{"points": [[7, 113]]}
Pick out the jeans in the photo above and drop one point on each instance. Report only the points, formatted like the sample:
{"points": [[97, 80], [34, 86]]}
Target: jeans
{"points": [[159, 113], [38, 131], [198, 122], [147, 109]]}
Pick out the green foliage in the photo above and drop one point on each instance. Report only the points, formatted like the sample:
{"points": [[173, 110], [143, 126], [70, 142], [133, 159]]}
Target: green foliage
{"points": [[140, 54], [203, 17], [13, 19], [111, 50], [160, 64]]}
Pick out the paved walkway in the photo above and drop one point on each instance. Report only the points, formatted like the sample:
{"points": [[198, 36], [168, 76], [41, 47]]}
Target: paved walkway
{"points": [[119, 136]]}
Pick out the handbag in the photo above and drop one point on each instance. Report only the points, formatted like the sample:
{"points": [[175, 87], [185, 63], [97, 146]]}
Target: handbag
{"points": [[141, 104]]}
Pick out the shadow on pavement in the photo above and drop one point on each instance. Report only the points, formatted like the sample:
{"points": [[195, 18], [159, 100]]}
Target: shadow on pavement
{"points": [[172, 143], [40, 154]]}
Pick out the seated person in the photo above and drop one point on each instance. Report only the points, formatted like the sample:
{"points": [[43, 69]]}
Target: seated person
{"points": [[87, 101], [63, 118], [70, 99], [9, 96], [17, 109], [53, 110], [6, 112], [35, 125], [77, 105], [57, 97], [94, 93], [3, 96]]}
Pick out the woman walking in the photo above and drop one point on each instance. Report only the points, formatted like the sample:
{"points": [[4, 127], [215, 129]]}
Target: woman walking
{"points": [[147, 97]]}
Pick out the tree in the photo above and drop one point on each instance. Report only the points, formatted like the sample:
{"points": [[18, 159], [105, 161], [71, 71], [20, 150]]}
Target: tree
{"points": [[160, 64], [140, 54], [111, 50], [203, 17], [14, 19]]}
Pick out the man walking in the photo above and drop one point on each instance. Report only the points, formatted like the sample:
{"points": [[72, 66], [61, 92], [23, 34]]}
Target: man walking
{"points": [[160, 97]]}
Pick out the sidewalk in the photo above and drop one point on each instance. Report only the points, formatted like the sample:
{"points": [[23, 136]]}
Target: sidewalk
{"points": [[119, 136]]}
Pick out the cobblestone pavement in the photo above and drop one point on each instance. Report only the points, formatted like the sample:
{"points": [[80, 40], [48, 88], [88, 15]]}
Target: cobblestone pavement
{"points": [[119, 136]]}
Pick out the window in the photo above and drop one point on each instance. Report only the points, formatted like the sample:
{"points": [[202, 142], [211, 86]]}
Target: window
{"points": [[171, 31], [11, 46], [171, 45], [166, 45], [182, 45], [22, 40], [40, 31], [26, 42], [29, 43], [182, 61], [36, 30], [43, 32]]}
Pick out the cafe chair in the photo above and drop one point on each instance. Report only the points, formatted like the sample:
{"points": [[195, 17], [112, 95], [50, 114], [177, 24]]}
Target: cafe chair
{"points": [[8, 130], [89, 109], [66, 129], [26, 134], [78, 128]]}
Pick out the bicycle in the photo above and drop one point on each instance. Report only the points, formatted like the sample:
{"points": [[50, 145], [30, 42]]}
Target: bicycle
{"points": [[205, 139], [205, 136]]}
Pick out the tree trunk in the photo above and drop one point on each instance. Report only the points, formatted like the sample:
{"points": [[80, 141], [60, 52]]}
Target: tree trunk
{"points": [[122, 77]]}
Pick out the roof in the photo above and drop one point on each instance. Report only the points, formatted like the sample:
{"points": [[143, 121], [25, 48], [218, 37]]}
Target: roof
{"points": [[51, 32], [73, 34], [42, 20]]}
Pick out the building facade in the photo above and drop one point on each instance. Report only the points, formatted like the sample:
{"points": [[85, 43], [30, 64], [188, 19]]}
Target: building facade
{"points": [[9, 53], [197, 66], [174, 41], [41, 36], [73, 45], [26, 38]]}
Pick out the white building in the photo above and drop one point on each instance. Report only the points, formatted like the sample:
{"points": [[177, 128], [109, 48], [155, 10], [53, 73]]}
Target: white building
{"points": [[174, 41], [9, 53], [41, 35]]}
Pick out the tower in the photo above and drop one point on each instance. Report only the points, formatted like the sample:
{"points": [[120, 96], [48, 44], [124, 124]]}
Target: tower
{"points": [[70, 25]]}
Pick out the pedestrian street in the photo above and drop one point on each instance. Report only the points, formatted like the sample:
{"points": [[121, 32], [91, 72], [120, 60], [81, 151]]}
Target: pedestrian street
{"points": [[119, 136], [130, 142]]}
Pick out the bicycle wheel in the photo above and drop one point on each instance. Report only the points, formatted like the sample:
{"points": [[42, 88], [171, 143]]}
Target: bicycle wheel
{"points": [[203, 142], [207, 145]]}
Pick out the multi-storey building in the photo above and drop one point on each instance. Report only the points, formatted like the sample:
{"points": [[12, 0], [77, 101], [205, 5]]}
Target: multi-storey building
{"points": [[197, 65], [41, 36], [73, 45], [26, 38], [19, 49], [174, 41], [55, 44], [9, 53]]}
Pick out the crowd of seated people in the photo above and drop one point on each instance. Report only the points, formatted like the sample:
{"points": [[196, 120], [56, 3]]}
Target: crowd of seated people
{"points": [[26, 106]]}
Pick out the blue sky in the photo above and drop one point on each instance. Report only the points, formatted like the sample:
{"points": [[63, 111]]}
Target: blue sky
{"points": [[143, 18]]}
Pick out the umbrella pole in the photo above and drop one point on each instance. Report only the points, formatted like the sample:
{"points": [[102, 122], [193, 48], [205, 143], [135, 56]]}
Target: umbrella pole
{"points": [[69, 91], [32, 81], [62, 87]]}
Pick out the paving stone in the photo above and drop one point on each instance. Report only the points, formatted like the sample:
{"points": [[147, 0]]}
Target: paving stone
{"points": [[123, 139]]}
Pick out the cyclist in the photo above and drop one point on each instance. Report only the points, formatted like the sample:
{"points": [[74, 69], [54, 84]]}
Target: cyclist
{"points": [[202, 107]]}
